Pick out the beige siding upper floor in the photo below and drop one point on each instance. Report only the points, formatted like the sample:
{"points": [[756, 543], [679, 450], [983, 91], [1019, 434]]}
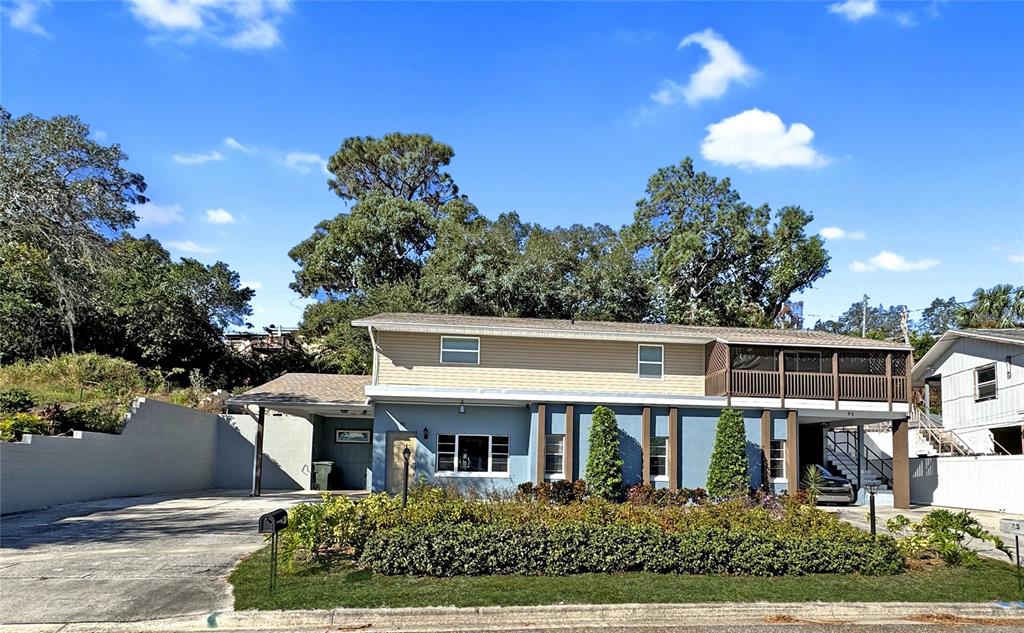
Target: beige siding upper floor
{"points": [[413, 359]]}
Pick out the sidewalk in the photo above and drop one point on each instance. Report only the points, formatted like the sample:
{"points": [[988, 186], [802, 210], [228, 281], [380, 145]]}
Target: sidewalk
{"points": [[860, 517], [632, 617]]}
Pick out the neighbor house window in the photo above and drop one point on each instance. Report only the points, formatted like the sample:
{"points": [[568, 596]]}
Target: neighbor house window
{"points": [[659, 458], [985, 382], [651, 361], [554, 455], [777, 459], [461, 350], [485, 454]]}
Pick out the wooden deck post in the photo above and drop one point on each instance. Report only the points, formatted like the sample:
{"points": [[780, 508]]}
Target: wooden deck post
{"points": [[792, 453], [900, 464], [782, 379], [673, 448], [835, 377], [645, 443], [888, 379], [766, 450], [257, 456], [728, 376], [542, 420], [568, 444]]}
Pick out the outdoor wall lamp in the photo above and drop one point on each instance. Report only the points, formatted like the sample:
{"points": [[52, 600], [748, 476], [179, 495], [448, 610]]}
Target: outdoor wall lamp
{"points": [[872, 489], [462, 406], [426, 433]]}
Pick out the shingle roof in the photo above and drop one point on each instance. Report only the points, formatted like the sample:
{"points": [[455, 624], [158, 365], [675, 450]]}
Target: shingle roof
{"points": [[556, 327], [1011, 335], [297, 388]]}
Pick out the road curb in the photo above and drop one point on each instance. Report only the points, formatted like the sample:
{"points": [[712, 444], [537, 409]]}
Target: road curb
{"points": [[414, 620]]}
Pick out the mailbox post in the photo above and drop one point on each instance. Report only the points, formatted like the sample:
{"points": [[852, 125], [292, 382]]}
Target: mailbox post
{"points": [[271, 523], [1015, 527]]}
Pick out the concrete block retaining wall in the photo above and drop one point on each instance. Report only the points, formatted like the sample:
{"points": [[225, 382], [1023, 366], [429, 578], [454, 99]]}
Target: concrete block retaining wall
{"points": [[164, 448]]}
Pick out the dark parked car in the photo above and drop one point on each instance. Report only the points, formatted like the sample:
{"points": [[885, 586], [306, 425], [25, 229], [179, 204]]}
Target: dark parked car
{"points": [[835, 488]]}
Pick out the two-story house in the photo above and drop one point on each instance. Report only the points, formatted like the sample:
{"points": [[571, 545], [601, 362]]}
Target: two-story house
{"points": [[488, 403], [973, 381]]}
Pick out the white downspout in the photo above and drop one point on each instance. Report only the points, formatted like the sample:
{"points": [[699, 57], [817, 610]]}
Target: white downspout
{"points": [[373, 344]]}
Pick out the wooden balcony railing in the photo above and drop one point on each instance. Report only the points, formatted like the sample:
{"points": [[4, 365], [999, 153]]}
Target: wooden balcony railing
{"points": [[811, 385]]}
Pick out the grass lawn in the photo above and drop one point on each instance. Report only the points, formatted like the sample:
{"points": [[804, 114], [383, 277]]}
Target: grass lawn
{"points": [[340, 584]]}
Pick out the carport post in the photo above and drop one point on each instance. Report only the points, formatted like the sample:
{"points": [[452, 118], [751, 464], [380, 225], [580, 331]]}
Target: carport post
{"points": [[257, 456]]}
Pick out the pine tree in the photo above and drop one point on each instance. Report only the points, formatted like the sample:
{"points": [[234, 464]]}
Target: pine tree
{"points": [[727, 473], [604, 464]]}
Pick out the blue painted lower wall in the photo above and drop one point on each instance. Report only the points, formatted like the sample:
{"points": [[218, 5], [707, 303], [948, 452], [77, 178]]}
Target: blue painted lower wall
{"points": [[696, 440]]}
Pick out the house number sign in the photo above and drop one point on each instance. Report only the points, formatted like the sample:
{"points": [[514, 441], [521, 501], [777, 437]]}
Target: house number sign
{"points": [[1012, 526]]}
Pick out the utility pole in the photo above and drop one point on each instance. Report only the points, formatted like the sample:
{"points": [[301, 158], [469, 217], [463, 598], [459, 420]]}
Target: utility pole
{"points": [[864, 318], [904, 325]]}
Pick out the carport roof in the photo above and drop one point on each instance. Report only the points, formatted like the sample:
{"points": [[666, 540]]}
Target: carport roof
{"points": [[299, 388]]}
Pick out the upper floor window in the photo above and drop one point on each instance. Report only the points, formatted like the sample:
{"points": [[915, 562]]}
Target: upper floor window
{"points": [[651, 361], [985, 382], [462, 350]]}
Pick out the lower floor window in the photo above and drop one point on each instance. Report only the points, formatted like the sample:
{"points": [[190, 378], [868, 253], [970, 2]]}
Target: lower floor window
{"points": [[777, 459], [472, 453], [659, 457], [554, 454]]}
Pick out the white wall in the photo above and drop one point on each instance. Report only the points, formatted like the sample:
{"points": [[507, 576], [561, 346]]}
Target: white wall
{"points": [[982, 482], [164, 448], [287, 452], [959, 409]]}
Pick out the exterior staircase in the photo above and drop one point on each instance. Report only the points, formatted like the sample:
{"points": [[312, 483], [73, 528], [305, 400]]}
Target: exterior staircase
{"points": [[841, 458], [929, 428]]}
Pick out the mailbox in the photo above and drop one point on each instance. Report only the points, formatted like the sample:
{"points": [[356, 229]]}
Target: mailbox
{"points": [[273, 522]]}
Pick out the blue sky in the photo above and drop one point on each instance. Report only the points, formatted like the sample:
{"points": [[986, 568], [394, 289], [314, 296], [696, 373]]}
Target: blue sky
{"points": [[900, 126]]}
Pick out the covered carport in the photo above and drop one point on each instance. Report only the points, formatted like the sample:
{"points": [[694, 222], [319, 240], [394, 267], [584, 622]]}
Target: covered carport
{"points": [[341, 423]]}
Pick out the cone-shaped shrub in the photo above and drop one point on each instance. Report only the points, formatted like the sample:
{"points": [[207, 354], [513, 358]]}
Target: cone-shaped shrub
{"points": [[604, 464], [727, 474]]}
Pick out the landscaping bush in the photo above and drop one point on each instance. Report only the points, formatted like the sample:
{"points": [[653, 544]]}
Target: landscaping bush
{"points": [[560, 492], [727, 473], [14, 425], [16, 401], [945, 534], [603, 472], [467, 549], [646, 494], [96, 418]]}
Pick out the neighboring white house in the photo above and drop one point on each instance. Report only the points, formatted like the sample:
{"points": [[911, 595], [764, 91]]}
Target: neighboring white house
{"points": [[980, 376], [975, 442]]}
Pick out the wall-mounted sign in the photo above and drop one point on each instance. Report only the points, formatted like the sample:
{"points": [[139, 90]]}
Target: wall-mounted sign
{"points": [[349, 436]]}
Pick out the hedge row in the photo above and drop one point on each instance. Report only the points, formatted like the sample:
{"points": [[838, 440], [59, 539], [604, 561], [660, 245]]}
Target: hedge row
{"points": [[466, 549]]}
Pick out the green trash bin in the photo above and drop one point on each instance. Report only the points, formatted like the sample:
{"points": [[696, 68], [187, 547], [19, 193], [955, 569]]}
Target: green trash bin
{"points": [[322, 475]]}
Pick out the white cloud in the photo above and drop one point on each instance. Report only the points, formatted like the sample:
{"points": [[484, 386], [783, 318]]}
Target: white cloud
{"points": [[98, 135], [724, 66], [152, 214], [219, 216], [24, 16], [759, 139], [197, 159], [235, 145], [855, 10], [188, 246], [887, 260], [255, 285], [836, 233], [304, 161], [1015, 259], [242, 24]]}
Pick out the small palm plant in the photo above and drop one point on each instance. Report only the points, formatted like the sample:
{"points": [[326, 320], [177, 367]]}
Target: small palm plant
{"points": [[813, 482]]}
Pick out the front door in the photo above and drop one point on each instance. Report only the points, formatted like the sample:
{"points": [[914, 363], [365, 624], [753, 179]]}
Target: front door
{"points": [[397, 442]]}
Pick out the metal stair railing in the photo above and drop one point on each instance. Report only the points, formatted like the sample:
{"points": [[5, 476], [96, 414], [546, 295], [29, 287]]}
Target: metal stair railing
{"points": [[939, 437], [874, 462]]}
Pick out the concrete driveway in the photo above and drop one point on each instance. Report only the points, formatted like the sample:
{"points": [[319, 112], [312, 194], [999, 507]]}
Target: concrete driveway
{"points": [[126, 559]]}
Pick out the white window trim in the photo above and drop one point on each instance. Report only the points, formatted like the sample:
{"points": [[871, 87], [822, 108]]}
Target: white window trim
{"points": [[440, 356], [994, 382], [558, 475], [490, 459], [650, 362], [783, 479], [668, 462]]}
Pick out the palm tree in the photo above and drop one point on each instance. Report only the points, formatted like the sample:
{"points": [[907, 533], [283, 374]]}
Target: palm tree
{"points": [[1002, 306]]}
